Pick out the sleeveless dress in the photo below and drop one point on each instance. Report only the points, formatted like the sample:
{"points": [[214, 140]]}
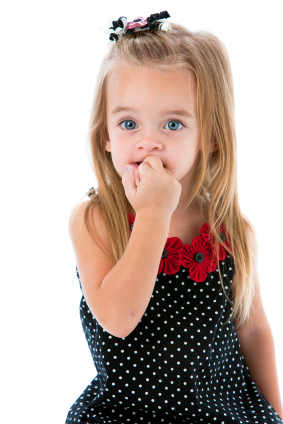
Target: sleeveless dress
{"points": [[182, 363]]}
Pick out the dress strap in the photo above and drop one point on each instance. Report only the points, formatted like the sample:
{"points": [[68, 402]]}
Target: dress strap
{"points": [[91, 191], [78, 277]]}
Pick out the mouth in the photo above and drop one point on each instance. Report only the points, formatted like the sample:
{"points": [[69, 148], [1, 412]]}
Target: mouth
{"points": [[137, 164]]}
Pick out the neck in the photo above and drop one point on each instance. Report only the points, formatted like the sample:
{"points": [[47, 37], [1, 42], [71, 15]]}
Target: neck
{"points": [[193, 212]]}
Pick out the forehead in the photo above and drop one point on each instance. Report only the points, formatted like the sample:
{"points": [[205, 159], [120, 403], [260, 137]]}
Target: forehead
{"points": [[133, 85]]}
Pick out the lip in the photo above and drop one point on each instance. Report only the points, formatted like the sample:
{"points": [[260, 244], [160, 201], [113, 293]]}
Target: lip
{"points": [[135, 165]]}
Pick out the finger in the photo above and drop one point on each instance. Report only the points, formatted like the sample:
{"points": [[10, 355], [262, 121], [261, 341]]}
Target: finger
{"points": [[137, 176], [128, 179], [154, 162]]}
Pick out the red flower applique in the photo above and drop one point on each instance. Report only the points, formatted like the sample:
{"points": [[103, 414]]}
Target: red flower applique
{"points": [[199, 259], [171, 257], [209, 238]]}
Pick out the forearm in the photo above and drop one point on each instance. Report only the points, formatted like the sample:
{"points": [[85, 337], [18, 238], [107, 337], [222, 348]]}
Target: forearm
{"points": [[126, 291], [259, 353]]}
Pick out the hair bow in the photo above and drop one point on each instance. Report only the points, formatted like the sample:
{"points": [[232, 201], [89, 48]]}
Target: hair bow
{"points": [[122, 27]]}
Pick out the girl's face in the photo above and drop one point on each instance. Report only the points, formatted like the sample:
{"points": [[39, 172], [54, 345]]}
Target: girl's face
{"points": [[150, 112]]}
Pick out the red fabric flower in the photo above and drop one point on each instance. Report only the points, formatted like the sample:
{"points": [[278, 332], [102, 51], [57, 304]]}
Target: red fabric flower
{"points": [[209, 238], [199, 259], [171, 257]]}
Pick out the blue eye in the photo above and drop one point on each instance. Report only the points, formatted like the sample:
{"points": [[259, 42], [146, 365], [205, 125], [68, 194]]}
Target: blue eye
{"points": [[174, 125], [130, 125]]}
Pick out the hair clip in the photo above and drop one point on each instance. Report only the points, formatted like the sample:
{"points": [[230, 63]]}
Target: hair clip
{"points": [[122, 27]]}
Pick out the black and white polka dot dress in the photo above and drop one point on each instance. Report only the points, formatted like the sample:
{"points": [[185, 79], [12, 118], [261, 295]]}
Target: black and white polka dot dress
{"points": [[182, 363]]}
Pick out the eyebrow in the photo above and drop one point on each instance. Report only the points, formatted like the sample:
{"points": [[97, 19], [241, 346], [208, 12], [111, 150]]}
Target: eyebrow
{"points": [[180, 112]]}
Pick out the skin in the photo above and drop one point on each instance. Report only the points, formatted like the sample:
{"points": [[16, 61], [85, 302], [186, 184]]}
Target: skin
{"points": [[152, 94]]}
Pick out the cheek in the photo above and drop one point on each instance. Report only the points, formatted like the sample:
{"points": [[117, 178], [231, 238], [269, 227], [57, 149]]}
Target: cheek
{"points": [[120, 157], [120, 152]]}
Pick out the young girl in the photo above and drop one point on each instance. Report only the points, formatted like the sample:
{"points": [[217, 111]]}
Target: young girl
{"points": [[167, 263]]}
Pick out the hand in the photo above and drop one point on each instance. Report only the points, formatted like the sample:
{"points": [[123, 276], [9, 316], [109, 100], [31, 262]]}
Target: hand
{"points": [[152, 189]]}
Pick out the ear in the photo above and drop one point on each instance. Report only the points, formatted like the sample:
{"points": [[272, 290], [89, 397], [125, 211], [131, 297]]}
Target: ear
{"points": [[213, 144], [107, 146]]}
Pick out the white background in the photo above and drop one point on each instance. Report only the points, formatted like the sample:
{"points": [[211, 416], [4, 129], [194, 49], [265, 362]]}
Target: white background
{"points": [[50, 55]]}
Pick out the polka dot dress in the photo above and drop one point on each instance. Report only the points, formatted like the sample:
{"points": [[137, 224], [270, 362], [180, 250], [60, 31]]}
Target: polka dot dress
{"points": [[181, 364]]}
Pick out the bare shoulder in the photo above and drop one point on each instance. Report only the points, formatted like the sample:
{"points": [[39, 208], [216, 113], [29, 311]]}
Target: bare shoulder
{"points": [[76, 218], [77, 225]]}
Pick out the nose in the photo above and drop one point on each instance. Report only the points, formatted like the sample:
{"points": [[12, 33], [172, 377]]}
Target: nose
{"points": [[150, 141]]}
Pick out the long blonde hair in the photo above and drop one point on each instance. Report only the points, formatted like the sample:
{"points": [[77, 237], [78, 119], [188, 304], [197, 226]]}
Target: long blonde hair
{"points": [[215, 179]]}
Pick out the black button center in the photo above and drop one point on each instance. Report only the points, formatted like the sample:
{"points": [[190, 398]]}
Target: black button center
{"points": [[199, 257], [164, 254], [222, 237]]}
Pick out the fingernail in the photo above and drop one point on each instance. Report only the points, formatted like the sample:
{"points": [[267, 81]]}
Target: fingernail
{"points": [[127, 168]]}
